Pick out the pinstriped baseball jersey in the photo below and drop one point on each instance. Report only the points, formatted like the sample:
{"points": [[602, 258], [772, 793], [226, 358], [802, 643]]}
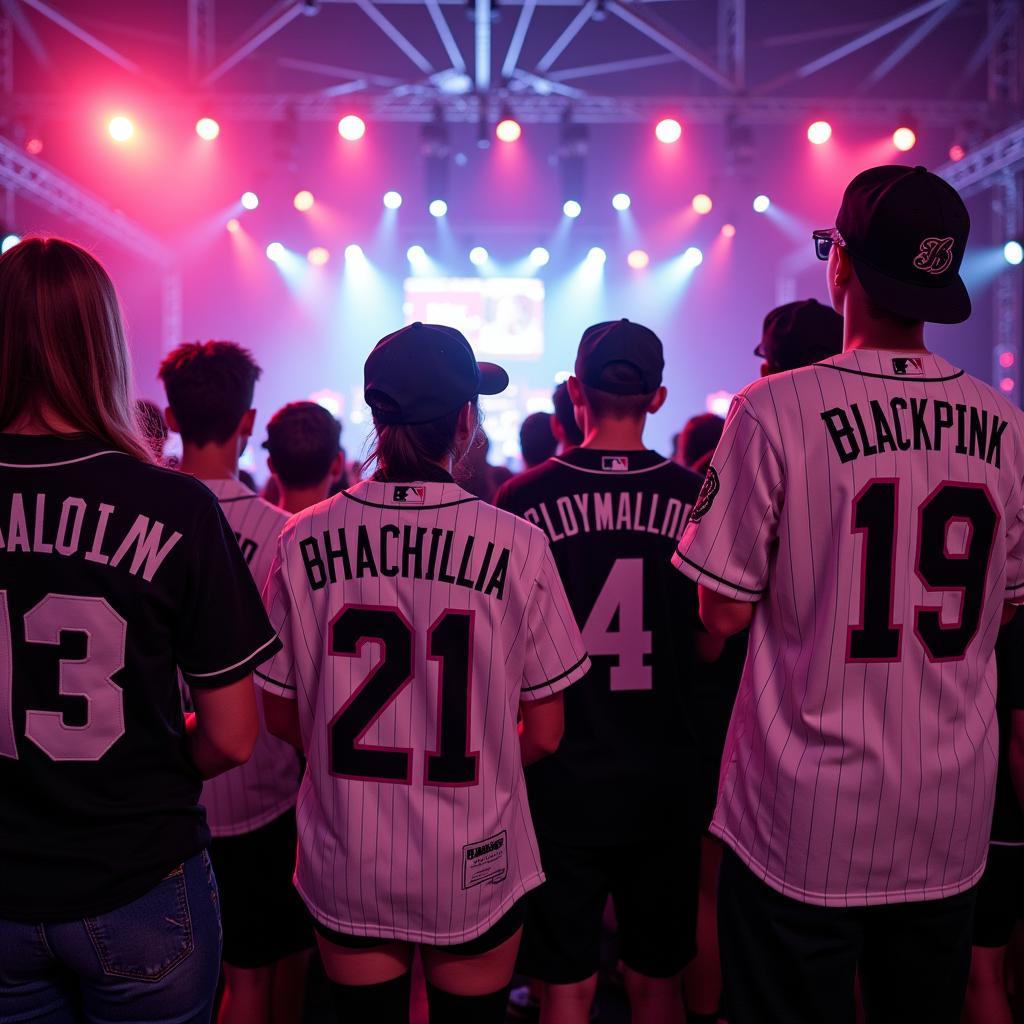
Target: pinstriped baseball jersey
{"points": [[265, 786], [872, 506], [414, 619]]}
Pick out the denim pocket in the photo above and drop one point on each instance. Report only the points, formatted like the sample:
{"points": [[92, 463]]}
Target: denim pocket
{"points": [[148, 938], [211, 881]]}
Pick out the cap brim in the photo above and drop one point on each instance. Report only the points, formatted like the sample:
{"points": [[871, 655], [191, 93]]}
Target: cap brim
{"points": [[493, 379], [947, 305]]}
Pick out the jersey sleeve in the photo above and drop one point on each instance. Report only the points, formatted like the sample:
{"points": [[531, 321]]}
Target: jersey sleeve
{"points": [[224, 632], [1015, 560], [727, 543], [279, 675], [555, 656]]}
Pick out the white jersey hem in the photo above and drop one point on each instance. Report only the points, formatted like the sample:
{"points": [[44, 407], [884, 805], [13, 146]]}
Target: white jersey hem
{"points": [[873, 899], [369, 931], [251, 824]]}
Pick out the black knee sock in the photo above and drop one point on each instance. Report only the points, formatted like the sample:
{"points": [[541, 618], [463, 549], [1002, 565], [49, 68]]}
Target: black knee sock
{"points": [[447, 1008], [386, 1003]]}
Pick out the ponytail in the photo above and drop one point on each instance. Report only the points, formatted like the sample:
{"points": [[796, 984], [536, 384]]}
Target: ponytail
{"points": [[405, 452]]}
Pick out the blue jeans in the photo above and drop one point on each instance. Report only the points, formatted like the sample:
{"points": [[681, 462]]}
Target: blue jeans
{"points": [[156, 959]]}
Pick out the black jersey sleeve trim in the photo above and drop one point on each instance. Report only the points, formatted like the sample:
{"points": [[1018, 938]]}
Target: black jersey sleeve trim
{"points": [[414, 508], [720, 579], [1015, 586], [551, 682], [240, 669], [892, 376], [273, 681]]}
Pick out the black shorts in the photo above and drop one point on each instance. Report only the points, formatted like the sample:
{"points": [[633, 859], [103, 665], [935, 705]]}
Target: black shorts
{"points": [[1000, 897], [653, 885], [784, 960], [264, 917], [498, 933]]}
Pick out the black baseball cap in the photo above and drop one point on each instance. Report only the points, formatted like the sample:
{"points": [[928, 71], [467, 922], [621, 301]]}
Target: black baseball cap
{"points": [[424, 372], [800, 333], [906, 230], [620, 357]]}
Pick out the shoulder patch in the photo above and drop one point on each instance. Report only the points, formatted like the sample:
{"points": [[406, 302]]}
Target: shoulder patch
{"points": [[707, 494]]}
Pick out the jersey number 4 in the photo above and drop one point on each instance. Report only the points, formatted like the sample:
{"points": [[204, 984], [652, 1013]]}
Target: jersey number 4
{"points": [[621, 604], [964, 570], [90, 677], [450, 644]]}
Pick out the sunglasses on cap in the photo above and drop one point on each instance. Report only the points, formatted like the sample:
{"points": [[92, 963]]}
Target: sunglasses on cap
{"points": [[824, 239]]}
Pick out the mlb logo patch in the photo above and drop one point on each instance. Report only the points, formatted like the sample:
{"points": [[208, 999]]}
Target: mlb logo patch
{"points": [[908, 367], [615, 463], [408, 495]]}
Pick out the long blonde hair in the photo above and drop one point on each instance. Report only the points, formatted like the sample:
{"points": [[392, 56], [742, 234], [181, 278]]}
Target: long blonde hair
{"points": [[62, 345]]}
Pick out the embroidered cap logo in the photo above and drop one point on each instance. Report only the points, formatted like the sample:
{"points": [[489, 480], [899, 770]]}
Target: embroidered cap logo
{"points": [[935, 255]]}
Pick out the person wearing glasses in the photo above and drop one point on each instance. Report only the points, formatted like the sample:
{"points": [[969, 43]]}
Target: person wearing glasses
{"points": [[864, 518]]}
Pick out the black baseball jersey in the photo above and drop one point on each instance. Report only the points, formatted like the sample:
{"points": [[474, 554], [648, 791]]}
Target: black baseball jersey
{"points": [[1008, 820], [113, 575], [628, 757]]}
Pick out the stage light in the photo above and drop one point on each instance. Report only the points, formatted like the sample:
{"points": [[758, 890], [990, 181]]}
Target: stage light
{"points": [[621, 201], [318, 256], [207, 129], [34, 146], [1013, 253], [638, 259], [351, 128], [957, 153], [539, 256], [668, 130], [508, 130], [250, 200], [819, 133], [121, 128], [478, 256], [1006, 384], [233, 225], [1006, 360], [415, 253], [597, 255], [761, 203], [571, 208], [729, 230], [392, 200], [275, 252], [353, 252], [904, 139], [9, 242], [303, 200], [438, 207], [702, 203], [693, 257]]}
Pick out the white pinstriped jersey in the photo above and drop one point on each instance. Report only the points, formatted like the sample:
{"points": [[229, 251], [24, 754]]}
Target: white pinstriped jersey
{"points": [[414, 619], [262, 789], [872, 506]]}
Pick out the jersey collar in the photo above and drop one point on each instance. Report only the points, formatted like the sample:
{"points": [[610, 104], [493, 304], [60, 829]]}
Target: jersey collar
{"points": [[596, 460], [887, 364], [230, 489], [413, 496], [31, 451]]}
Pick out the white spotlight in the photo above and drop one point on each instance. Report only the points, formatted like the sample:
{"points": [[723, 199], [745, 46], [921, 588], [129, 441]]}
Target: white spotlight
{"points": [[597, 255], [539, 257], [478, 256], [692, 258]]}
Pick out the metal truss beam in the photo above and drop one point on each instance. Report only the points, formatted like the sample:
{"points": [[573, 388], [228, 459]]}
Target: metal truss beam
{"points": [[886, 28], [415, 105], [27, 33], [1004, 59], [483, 46], [391, 31], [515, 46], [910, 43], [200, 30], [669, 39], [281, 14], [569, 33], [732, 40], [984, 165], [31, 177], [445, 32], [613, 67], [82, 36]]}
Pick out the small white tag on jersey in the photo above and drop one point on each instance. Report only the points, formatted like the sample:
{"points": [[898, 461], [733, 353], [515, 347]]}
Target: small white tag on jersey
{"points": [[485, 861], [908, 367], [406, 494], [615, 463]]}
